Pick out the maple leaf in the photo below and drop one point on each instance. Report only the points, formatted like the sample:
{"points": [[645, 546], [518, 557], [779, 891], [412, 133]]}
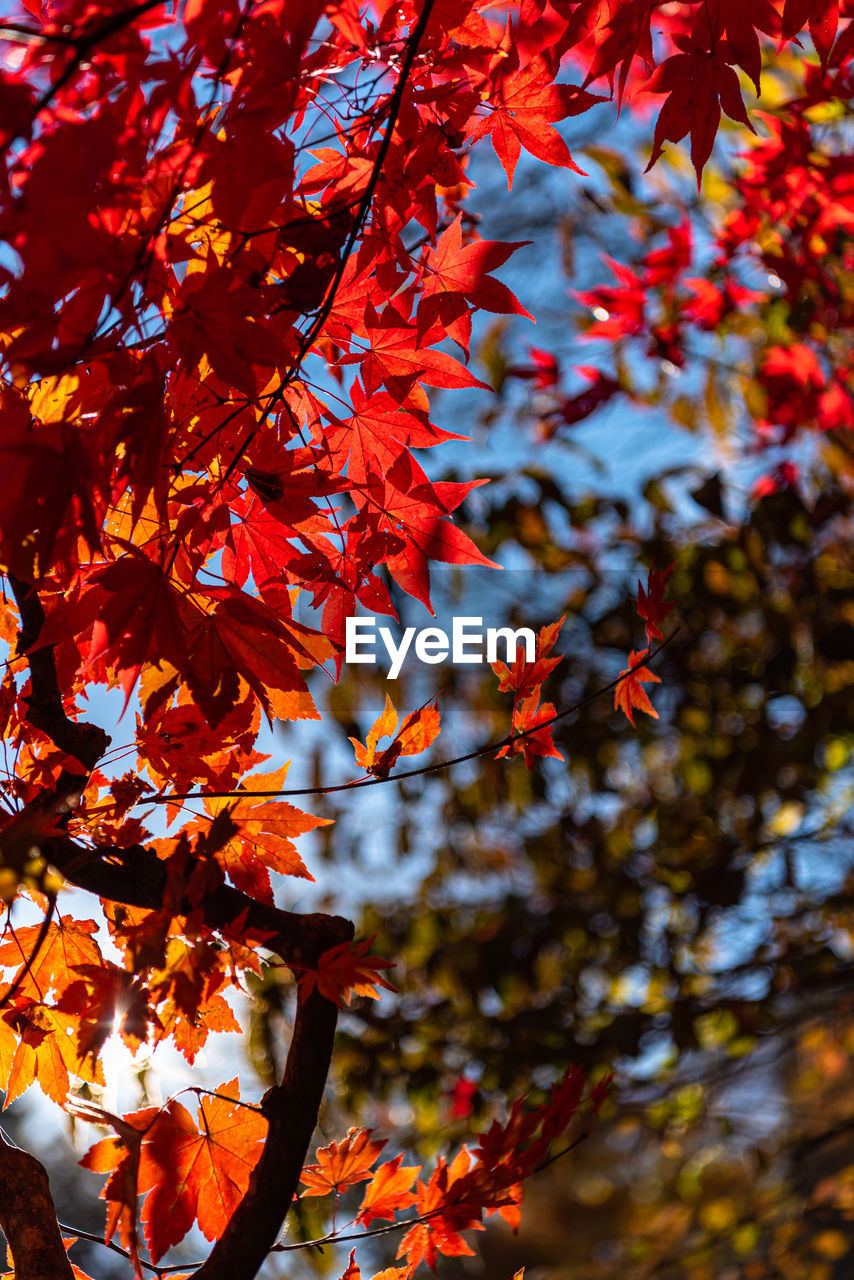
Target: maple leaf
{"points": [[67, 943], [523, 677], [347, 968], [263, 835], [210, 1164], [563, 1104], [342, 1165], [189, 1033], [403, 500], [698, 84], [416, 733], [377, 433], [396, 359], [55, 465], [823, 19], [455, 280], [620, 34], [522, 111], [450, 1204], [134, 611], [531, 719], [105, 999], [740, 23], [630, 693], [242, 636], [352, 1272], [46, 1053], [177, 745], [185, 984], [119, 1158], [388, 1191], [651, 606], [619, 311]]}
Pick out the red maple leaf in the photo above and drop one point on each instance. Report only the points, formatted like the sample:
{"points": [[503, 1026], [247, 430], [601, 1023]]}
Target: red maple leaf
{"points": [[738, 22], [455, 281], [396, 359], [532, 720], [525, 106], [135, 612], [523, 676], [698, 83], [209, 1163], [450, 1189], [652, 608], [823, 19]]}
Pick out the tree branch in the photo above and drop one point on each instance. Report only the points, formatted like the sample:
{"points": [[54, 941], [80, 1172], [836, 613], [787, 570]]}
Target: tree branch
{"points": [[86, 742], [291, 1109], [138, 878], [28, 1217]]}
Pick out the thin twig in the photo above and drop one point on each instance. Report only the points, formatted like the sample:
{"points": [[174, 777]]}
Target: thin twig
{"points": [[491, 747]]}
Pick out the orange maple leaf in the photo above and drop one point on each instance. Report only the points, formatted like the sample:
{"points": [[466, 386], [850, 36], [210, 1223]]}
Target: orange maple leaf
{"points": [[46, 1052], [345, 969], [415, 734], [342, 1164], [353, 1272], [119, 1156], [450, 1189], [66, 944], [106, 998], [209, 1166], [630, 692], [388, 1191], [264, 840]]}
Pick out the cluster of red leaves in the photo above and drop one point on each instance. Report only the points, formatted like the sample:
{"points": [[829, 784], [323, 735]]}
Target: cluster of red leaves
{"points": [[457, 1195], [776, 273], [798, 211]]}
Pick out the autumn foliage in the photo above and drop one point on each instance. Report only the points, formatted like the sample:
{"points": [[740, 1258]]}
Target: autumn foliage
{"points": [[239, 254]]}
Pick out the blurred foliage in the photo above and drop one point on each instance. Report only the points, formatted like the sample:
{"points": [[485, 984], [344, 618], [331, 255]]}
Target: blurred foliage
{"points": [[675, 901]]}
